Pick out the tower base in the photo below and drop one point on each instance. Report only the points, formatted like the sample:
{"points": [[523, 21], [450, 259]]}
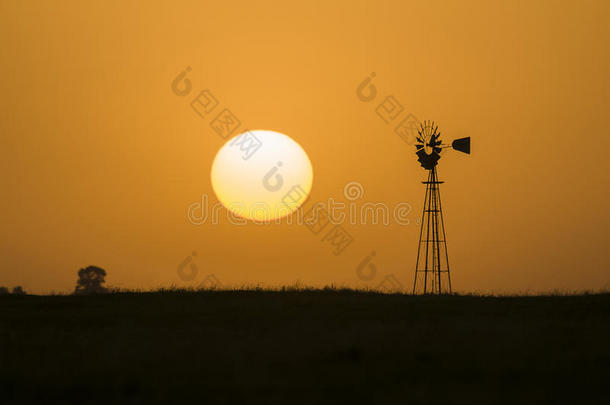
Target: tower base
{"points": [[432, 267]]}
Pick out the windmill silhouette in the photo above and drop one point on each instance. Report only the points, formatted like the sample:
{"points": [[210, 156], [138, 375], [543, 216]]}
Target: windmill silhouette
{"points": [[432, 267]]}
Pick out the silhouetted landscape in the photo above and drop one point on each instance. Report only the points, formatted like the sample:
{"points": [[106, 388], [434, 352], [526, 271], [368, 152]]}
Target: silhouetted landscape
{"points": [[304, 346], [181, 180]]}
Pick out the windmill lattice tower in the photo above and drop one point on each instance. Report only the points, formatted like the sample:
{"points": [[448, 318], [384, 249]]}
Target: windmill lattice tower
{"points": [[432, 268]]}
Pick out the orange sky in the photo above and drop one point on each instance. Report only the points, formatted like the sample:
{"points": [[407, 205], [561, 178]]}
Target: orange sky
{"points": [[100, 160]]}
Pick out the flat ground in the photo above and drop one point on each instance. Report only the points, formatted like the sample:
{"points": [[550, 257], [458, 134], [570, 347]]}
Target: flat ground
{"points": [[305, 347]]}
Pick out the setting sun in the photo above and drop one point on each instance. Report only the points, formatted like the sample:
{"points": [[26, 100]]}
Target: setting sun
{"points": [[261, 175]]}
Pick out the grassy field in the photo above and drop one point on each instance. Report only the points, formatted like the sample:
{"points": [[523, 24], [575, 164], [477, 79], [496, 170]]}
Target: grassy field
{"points": [[305, 347]]}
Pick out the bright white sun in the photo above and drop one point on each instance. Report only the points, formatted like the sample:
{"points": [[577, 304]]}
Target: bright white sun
{"points": [[262, 175]]}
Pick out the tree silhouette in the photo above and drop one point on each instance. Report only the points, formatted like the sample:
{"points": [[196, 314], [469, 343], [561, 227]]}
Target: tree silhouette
{"points": [[3, 291], [18, 290], [90, 280]]}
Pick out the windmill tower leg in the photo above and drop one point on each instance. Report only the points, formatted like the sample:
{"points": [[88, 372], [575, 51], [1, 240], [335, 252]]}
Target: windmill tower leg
{"points": [[432, 267]]}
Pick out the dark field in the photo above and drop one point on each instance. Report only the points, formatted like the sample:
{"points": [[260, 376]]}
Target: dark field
{"points": [[305, 347]]}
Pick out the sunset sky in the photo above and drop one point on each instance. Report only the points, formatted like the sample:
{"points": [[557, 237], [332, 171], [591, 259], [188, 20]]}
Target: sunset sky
{"points": [[101, 159]]}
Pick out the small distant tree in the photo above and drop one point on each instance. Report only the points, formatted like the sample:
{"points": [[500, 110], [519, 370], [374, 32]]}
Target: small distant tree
{"points": [[18, 290], [4, 291], [90, 281]]}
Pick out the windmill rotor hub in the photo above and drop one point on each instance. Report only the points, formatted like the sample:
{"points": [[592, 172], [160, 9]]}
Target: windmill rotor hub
{"points": [[428, 145]]}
